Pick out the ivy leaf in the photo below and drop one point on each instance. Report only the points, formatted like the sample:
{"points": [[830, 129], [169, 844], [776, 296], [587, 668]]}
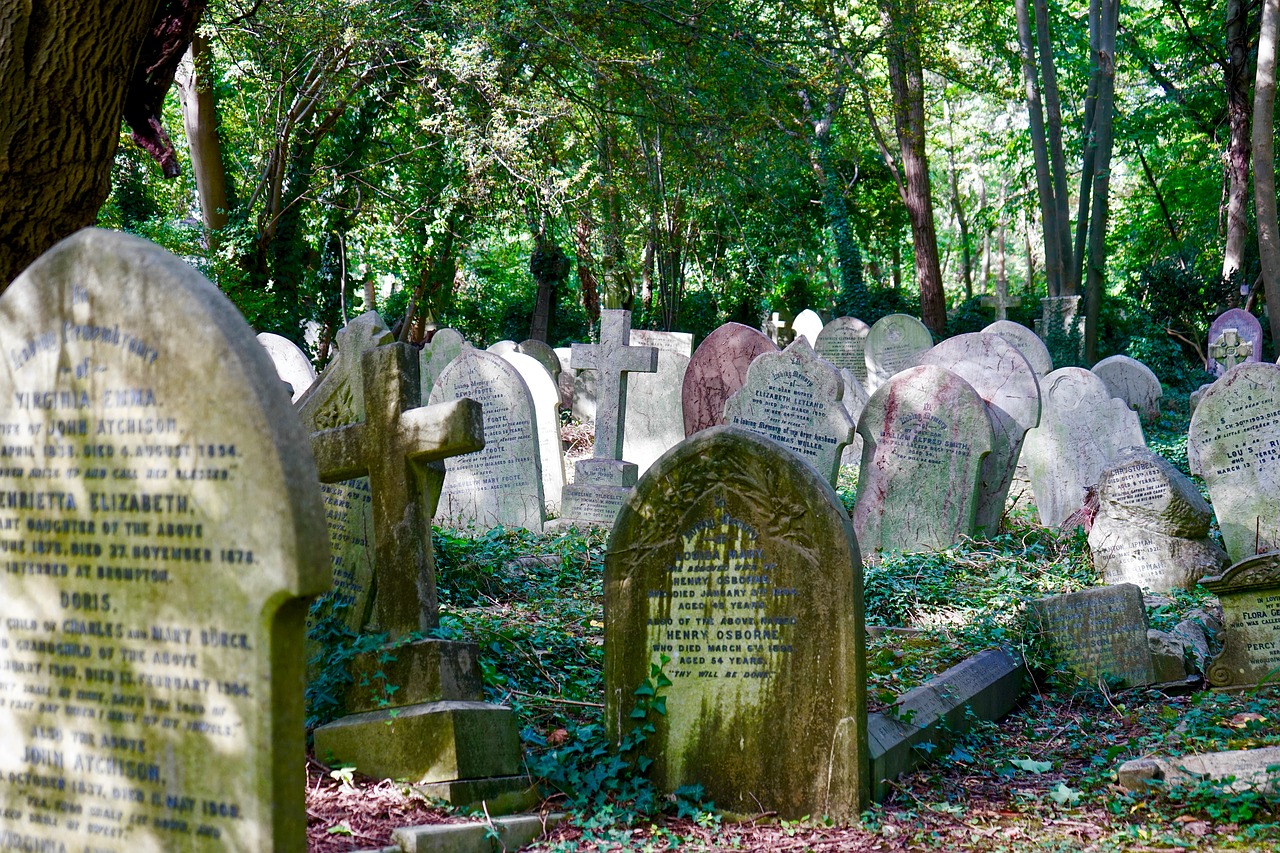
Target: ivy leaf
{"points": [[1064, 796], [1031, 766]]}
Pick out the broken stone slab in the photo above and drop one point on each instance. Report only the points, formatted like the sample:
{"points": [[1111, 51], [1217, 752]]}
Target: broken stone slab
{"points": [[988, 684], [1246, 768], [492, 836]]}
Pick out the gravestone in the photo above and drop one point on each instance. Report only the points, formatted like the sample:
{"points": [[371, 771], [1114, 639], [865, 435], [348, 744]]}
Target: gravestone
{"points": [[855, 401], [680, 343], [445, 345], [808, 325], [161, 527], [843, 342], [1235, 770], [1132, 381], [1098, 632], [778, 329], [925, 433], [1235, 337], [501, 347], [334, 400], [1250, 596], [1004, 380], [292, 365], [546, 412], [602, 482], [1082, 428], [655, 422], [425, 721], [1027, 342], [733, 567], [891, 345], [501, 484], [565, 381], [1234, 444], [542, 352], [1152, 526], [716, 371], [796, 399]]}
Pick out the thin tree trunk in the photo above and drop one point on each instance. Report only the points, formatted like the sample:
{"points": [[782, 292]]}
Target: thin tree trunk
{"points": [[1040, 152], [1235, 73], [200, 117], [586, 268], [1264, 167], [966, 259], [906, 80], [1155, 188], [1096, 274], [1075, 274], [1057, 161]]}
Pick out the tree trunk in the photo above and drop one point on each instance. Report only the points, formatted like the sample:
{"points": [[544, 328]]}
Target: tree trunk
{"points": [[1264, 166], [586, 269], [1057, 161], [200, 117], [64, 72], [906, 80], [1040, 151], [1075, 274], [1095, 278], [1236, 80], [966, 259], [549, 266]]}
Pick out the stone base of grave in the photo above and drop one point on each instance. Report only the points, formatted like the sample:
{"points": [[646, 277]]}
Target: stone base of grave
{"points": [[597, 492], [500, 794], [432, 742]]}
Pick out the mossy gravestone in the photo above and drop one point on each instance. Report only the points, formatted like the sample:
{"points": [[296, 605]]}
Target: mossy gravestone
{"points": [[891, 345], [162, 523], [1250, 596], [736, 561]]}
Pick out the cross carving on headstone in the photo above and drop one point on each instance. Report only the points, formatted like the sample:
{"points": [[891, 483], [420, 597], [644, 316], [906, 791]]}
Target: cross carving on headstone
{"points": [[613, 358], [1002, 301], [1229, 350], [394, 447]]}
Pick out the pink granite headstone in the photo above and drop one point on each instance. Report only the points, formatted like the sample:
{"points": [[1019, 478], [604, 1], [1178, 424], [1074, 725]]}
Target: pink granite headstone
{"points": [[717, 370]]}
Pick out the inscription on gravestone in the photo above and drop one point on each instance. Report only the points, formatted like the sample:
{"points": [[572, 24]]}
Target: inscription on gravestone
{"points": [[159, 521], [1097, 632], [1250, 596]]}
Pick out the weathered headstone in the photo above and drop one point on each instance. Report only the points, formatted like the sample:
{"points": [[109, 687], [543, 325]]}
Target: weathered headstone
{"points": [[501, 484], [501, 347], [161, 525], [292, 364], [717, 370], [1235, 337], [1234, 444], [843, 342], [1132, 381], [337, 399], [778, 329], [1098, 632], [925, 433], [1152, 526], [1001, 301], [891, 345], [855, 401], [1027, 342], [1082, 428], [808, 325], [796, 399], [444, 347], [602, 482], [734, 568], [1250, 596], [1237, 770], [546, 412], [566, 379], [423, 725], [542, 352], [655, 422], [680, 343], [1004, 380]]}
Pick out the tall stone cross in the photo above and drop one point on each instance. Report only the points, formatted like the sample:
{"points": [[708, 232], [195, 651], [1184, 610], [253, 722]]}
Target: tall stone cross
{"points": [[613, 358], [1002, 301], [1228, 350], [779, 329], [395, 447]]}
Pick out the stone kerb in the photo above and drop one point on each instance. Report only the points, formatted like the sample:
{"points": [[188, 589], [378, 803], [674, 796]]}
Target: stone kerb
{"points": [[191, 456], [1005, 381], [1233, 444], [796, 399], [925, 434], [733, 567]]}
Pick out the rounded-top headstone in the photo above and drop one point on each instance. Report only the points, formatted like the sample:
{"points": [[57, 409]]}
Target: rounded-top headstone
{"points": [[1132, 381], [545, 355], [546, 408], [502, 347], [444, 347], [892, 343], [808, 325], [164, 523], [718, 369], [843, 342], [1027, 342], [1234, 444], [1248, 336], [292, 364], [733, 568]]}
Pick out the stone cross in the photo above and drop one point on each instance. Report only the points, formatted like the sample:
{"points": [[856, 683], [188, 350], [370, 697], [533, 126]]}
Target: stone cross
{"points": [[1229, 350], [393, 447], [1002, 301], [613, 358], [778, 329]]}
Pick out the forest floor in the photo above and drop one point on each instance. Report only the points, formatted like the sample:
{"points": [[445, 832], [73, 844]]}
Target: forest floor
{"points": [[1042, 779]]}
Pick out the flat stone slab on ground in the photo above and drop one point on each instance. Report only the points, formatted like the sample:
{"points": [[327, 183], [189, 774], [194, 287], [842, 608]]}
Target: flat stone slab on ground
{"points": [[1249, 769]]}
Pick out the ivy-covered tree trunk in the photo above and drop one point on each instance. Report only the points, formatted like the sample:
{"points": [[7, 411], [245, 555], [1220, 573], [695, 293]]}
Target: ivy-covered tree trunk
{"points": [[64, 72], [549, 266], [1040, 152], [1264, 165], [1095, 276], [1236, 79]]}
